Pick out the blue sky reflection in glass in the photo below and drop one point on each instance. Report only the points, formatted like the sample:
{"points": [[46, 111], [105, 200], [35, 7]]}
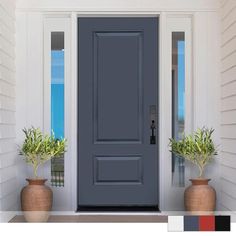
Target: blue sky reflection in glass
{"points": [[57, 93], [181, 80]]}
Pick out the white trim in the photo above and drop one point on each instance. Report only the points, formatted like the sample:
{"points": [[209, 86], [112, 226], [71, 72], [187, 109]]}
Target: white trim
{"points": [[109, 10], [62, 195], [173, 196], [162, 107], [74, 107], [121, 5], [167, 23]]}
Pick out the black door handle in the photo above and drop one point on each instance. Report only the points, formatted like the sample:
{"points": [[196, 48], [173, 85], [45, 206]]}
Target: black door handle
{"points": [[153, 137]]}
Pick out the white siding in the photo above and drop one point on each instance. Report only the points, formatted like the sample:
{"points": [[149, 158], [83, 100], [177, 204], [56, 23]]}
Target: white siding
{"points": [[8, 182], [228, 104]]}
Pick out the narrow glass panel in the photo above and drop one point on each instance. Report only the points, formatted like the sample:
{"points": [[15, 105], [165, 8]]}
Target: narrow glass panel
{"points": [[57, 102], [178, 102]]}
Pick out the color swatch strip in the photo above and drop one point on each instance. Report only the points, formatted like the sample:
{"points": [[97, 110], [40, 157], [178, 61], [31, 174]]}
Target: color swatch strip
{"points": [[198, 223]]}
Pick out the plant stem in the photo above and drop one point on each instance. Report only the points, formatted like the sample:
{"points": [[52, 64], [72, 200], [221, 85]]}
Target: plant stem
{"points": [[200, 171], [36, 171]]}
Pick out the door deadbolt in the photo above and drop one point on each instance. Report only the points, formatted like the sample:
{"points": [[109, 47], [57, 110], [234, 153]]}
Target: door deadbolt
{"points": [[153, 137], [153, 124]]}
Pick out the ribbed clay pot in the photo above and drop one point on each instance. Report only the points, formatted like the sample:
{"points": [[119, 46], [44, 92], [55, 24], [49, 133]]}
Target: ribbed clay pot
{"points": [[36, 200], [200, 196]]}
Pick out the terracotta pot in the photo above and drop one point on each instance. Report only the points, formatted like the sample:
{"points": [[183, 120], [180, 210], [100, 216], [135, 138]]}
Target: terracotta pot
{"points": [[200, 196], [36, 200]]}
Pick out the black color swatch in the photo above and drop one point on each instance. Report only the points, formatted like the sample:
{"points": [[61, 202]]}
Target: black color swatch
{"points": [[222, 223]]}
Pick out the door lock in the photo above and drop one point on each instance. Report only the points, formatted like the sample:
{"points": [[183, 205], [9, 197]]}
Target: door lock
{"points": [[153, 137], [152, 113]]}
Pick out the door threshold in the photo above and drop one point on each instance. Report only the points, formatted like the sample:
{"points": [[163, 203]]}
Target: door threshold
{"points": [[114, 209]]}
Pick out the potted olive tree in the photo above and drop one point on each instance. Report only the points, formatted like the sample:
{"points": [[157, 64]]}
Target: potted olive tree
{"points": [[199, 149], [37, 149]]}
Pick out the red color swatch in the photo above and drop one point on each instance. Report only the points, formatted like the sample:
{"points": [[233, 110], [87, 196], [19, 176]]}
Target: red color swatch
{"points": [[206, 223]]}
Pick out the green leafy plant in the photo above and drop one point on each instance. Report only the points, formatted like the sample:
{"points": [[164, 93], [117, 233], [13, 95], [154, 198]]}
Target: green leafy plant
{"points": [[197, 148], [39, 148]]}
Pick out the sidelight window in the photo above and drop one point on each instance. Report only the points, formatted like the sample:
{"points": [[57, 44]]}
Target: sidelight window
{"points": [[57, 102], [178, 103]]}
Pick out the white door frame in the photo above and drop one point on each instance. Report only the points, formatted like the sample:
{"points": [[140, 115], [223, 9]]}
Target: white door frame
{"points": [[172, 196], [62, 198], [164, 93]]}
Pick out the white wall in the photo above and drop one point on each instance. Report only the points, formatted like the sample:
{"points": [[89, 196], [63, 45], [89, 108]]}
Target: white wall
{"points": [[206, 87], [118, 5], [205, 69], [8, 181], [29, 82], [228, 104]]}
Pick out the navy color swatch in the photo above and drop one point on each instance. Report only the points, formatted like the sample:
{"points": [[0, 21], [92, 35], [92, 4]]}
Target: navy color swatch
{"points": [[191, 223]]}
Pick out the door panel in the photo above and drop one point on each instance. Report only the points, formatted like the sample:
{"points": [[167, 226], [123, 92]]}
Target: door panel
{"points": [[117, 56], [117, 169], [117, 165]]}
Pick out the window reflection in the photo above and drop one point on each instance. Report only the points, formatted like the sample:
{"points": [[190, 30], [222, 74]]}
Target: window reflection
{"points": [[57, 102], [178, 102]]}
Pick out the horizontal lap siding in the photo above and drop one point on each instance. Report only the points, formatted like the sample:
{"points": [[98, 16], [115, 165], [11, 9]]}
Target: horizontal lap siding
{"points": [[8, 182], [228, 105]]}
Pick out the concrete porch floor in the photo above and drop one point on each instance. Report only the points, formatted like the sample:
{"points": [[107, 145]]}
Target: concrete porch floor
{"points": [[99, 219]]}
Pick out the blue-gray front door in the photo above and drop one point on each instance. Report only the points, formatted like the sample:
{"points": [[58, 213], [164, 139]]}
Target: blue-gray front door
{"points": [[117, 143]]}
